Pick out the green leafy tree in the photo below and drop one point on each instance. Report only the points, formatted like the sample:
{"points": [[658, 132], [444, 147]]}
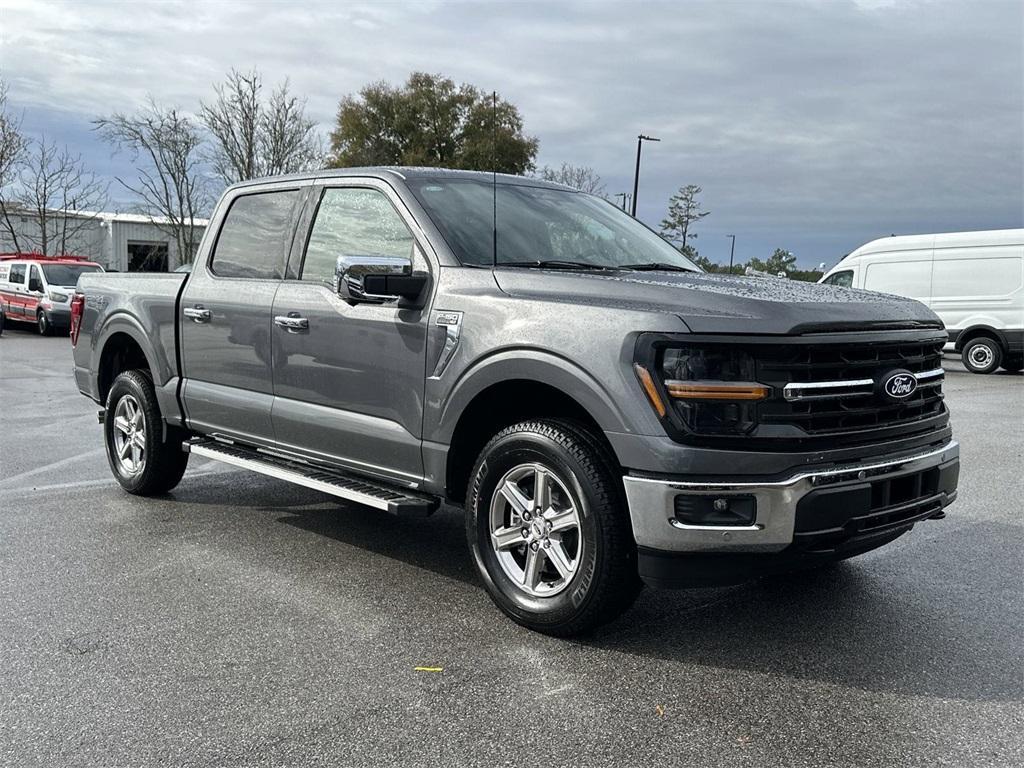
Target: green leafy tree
{"points": [[780, 261], [683, 212], [434, 122]]}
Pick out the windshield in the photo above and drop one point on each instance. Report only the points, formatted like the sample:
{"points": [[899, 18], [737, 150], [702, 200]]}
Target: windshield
{"points": [[537, 226], [66, 274]]}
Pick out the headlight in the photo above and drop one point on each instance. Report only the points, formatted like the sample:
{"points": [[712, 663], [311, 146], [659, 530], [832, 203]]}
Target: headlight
{"points": [[703, 389], [59, 297]]}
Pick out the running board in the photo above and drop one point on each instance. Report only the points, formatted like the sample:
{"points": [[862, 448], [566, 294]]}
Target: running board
{"points": [[349, 487]]}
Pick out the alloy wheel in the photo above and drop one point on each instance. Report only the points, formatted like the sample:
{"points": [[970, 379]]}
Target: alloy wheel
{"points": [[129, 435], [535, 529]]}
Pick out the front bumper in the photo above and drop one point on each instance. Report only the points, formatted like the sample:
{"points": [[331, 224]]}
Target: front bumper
{"points": [[815, 509]]}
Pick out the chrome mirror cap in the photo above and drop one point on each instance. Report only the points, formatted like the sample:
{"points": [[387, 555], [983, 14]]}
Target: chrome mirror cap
{"points": [[350, 273]]}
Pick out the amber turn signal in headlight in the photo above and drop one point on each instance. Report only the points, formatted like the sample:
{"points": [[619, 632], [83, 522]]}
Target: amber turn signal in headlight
{"points": [[707, 390], [652, 391]]}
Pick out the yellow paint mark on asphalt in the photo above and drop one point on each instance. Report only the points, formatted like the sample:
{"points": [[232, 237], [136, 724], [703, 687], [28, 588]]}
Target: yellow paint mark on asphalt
{"points": [[428, 669]]}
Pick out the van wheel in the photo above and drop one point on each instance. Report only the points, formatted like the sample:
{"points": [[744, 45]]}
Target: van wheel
{"points": [[44, 325], [549, 530], [982, 355], [143, 462]]}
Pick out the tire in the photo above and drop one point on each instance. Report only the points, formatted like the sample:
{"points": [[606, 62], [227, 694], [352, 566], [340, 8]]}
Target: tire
{"points": [[1013, 365], [43, 323], [982, 355], [2, 318], [586, 575], [151, 465]]}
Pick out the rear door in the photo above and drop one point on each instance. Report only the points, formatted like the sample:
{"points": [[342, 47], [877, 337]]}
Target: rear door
{"points": [[226, 314], [349, 385]]}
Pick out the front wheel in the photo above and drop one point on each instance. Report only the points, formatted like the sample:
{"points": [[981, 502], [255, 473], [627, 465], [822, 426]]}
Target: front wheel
{"points": [[45, 329], [549, 530], [982, 355], [142, 460]]}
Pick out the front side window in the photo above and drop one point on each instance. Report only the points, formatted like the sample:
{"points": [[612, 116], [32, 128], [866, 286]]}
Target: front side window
{"points": [[254, 238], [35, 279], [353, 221], [538, 225], [843, 279]]}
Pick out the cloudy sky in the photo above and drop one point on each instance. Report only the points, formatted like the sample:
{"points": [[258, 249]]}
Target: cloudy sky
{"points": [[813, 126]]}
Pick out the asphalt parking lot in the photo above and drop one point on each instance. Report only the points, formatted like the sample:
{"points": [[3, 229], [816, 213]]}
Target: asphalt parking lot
{"points": [[241, 621]]}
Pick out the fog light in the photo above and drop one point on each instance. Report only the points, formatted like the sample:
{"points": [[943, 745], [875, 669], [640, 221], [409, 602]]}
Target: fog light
{"points": [[715, 510]]}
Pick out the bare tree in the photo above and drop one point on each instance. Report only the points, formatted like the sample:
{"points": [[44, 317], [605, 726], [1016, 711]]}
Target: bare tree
{"points": [[13, 146], [683, 212], [59, 196], [579, 177], [171, 187], [253, 137]]}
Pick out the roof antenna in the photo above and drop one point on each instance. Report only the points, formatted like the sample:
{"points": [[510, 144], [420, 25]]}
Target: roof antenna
{"points": [[494, 176]]}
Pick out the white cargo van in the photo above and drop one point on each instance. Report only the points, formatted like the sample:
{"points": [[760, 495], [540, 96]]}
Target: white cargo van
{"points": [[974, 281]]}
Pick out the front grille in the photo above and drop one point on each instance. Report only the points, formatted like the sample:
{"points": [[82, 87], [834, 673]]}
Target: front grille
{"points": [[851, 409]]}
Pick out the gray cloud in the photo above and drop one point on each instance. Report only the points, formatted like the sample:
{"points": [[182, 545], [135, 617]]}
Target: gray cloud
{"points": [[811, 126]]}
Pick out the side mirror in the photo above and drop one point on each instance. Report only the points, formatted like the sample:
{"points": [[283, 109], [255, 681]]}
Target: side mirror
{"points": [[377, 279]]}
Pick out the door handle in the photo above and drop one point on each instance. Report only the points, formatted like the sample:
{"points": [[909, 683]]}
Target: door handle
{"points": [[292, 323], [197, 314]]}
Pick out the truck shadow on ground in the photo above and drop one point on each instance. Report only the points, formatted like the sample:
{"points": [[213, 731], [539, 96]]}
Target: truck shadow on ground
{"points": [[915, 620]]}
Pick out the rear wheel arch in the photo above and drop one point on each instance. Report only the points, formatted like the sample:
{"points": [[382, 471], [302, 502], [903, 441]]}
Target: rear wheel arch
{"points": [[120, 352]]}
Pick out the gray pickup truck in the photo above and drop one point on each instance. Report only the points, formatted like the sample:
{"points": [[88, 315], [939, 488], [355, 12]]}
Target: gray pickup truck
{"points": [[606, 414]]}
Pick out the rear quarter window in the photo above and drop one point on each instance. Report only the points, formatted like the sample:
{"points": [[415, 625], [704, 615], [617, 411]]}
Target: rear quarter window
{"points": [[254, 238]]}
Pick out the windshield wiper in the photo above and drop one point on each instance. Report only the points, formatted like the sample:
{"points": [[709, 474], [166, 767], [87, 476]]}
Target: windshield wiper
{"points": [[656, 266], [552, 264]]}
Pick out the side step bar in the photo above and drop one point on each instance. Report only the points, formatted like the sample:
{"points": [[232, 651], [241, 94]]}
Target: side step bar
{"points": [[360, 490]]}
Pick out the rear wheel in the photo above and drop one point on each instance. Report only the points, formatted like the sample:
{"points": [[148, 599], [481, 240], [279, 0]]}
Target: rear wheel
{"points": [[142, 460], [548, 528], [982, 355]]}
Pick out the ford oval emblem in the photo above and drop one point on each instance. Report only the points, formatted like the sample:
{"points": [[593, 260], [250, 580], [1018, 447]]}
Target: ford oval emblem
{"points": [[899, 385]]}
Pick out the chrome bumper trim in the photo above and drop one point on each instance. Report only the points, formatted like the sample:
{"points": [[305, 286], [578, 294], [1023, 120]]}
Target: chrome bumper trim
{"points": [[652, 504]]}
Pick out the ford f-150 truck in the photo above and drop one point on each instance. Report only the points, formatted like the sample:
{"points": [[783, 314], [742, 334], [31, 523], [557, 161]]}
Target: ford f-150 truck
{"points": [[606, 414]]}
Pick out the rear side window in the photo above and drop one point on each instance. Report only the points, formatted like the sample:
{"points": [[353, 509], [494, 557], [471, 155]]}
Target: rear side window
{"points": [[353, 221], [254, 238], [17, 274]]}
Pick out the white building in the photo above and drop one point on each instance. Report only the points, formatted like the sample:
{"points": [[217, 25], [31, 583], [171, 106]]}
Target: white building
{"points": [[126, 242]]}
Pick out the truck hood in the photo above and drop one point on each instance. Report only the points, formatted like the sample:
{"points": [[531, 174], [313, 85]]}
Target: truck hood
{"points": [[724, 303]]}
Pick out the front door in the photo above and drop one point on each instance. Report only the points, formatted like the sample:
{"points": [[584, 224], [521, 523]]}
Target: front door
{"points": [[349, 384], [226, 317]]}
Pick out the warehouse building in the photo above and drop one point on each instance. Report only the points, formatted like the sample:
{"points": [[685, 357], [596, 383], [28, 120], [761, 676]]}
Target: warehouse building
{"points": [[125, 242]]}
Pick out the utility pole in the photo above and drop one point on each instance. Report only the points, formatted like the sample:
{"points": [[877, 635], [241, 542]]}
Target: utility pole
{"points": [[625, 199], [636, 175], [732, 250]]}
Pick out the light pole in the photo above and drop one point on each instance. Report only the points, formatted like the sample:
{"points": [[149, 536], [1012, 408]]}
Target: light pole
{"points": [[636, 175], [625, 198], [732, 250]]}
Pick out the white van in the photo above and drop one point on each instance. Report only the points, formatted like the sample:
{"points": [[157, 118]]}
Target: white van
{"points": [[974, 281]]}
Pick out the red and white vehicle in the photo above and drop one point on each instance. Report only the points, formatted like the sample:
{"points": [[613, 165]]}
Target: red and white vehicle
{"points": [[38, 289]]}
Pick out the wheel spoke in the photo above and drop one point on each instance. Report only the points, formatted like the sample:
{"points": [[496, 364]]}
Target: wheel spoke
{"points": [[140, 441], [515, 497], [541, 489], [125, 448], [136, 453], [121, 424], [507, 538], [531, 572], [556, 554], [561, 521]]}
